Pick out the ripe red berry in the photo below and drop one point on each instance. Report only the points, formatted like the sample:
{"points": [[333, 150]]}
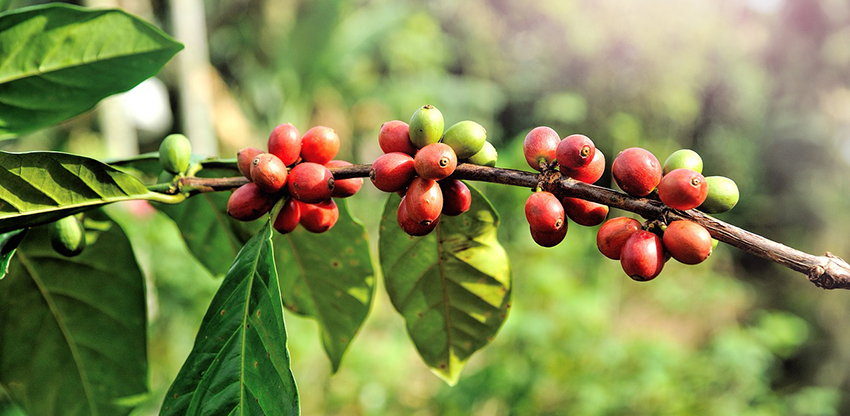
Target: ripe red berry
{"points": [[344, 188], [285, 143], [575, 151], [395, 137], [584, 212], [544, 212], [642, 256], [424, 200], [392, 172], [548, 239], [435, 161], [687, 241], [613, 234], [540, 145], [408, 225], [683, 189], [268, 172], [244, 159], [636, 171], [248, 202], [310, 182], [319, 145], [589, 173], [456, 197], [319, 217], [288, 217]]}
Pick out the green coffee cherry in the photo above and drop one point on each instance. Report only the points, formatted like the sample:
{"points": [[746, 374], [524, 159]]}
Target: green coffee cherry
{"points": [[426, 126], [714, 243], [465, 138], [67, 236], [683, 159], [722, 195], [174, 153], [485, 157]]}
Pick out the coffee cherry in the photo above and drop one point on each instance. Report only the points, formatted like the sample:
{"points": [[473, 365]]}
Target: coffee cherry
{"points": [[722, 195], [466, 138], [344, 188], [485, 157], [548, 239], [408, 225], [590, 173], [268, 172], [683, 159], [544, 212], [392, 172], [174, 153], [613, 234], [319, 145], [248, 202], [435, 161], [67, 236], [642, 256], [310, 182], [426, 126], [636, 171], [424, 200], [285, 143], [395, 137], [687, 241], [456, 197], [288, 217], [574, 152], [540, 145], [245, 158], [319, 217], [682, 189], [584, 212]]}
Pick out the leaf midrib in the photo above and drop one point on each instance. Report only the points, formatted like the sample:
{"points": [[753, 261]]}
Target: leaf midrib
{"points": [[445, 288], [245, 315]]}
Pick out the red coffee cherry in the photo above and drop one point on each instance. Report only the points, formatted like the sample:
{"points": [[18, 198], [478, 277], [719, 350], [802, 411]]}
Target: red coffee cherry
{"points": [[584, 212], [683, 189], [319, 145], [319, 217], [687, 241], [544, 212], [285, 143], [540, 145], [244, 159], [589, 173], [613, 234], [456, 197], [636, 171], [575, 151], [310, 182], [642, 256], [548, 239], [268, 172], [409, 226], [435, 161], [395, 137], [424, 200], [392, 172], [248, 202], [288, 217], [344, 188]]}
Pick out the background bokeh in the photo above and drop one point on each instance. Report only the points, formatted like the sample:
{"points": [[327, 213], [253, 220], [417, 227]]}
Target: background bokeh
{"points": [[760, 88]]}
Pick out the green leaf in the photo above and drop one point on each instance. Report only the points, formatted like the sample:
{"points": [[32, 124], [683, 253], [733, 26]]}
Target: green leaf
{"points": [[73, 330], [8, 243], [452, 287], [41, 187], [240, 362], [329, 277], [59, 60]]}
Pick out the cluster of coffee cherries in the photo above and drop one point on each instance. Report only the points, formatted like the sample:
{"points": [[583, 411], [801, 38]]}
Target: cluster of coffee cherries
{"points": [[575, 156], [295, 170], [418, 159]]}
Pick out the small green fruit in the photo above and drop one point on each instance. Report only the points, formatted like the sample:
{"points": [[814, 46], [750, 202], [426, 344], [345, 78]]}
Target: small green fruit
{"points": [[722, 195], [485, 157], [67, 236], [683, 159], [426, 126], [174, 153], [466, 138]]}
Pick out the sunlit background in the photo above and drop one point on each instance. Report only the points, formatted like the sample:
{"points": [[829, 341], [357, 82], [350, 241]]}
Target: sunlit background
{"points": [[760, 88]]}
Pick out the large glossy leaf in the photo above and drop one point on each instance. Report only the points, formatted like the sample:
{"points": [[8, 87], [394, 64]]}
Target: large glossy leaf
{"points": [[240, 361], [8, 244], [72, 330], [452, 286], [58, 60], [40, 187]]}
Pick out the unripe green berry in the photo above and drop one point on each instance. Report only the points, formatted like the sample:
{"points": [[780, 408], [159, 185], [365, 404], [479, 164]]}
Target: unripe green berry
{"points": [[466, 138], [426, 126], [722, 195], [174, 153], [67, 236], [485, 157], [683, 159]]}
